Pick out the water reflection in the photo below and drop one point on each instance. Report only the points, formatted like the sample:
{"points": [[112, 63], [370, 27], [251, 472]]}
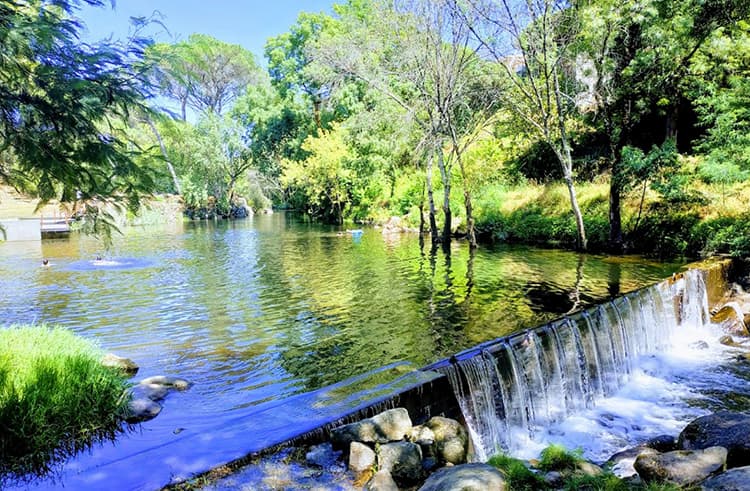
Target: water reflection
{"points": [[261, 309]]}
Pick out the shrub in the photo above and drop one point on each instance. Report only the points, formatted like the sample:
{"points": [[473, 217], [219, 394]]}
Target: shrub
{"points": [[518, 476], [55, 399], [558, 458]]}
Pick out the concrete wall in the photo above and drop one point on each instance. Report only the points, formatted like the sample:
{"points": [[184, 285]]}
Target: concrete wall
{"points": [[21, 229]]}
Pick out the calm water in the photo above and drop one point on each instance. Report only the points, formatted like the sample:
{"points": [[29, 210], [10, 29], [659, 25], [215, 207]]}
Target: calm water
{"points": [[261, 309]]}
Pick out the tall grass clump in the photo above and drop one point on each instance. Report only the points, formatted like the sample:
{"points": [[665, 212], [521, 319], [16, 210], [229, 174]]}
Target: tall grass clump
{"points": [[55, 399]]}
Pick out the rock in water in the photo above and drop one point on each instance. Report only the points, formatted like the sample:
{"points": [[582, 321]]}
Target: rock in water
{"points": [[724, 429], [681, 467], [388, 426], [451, 439], [361, 458], [173, 382], [126, 365], [466, 477], [737, 479], [142, 410], [403, 460], [381, 481]]}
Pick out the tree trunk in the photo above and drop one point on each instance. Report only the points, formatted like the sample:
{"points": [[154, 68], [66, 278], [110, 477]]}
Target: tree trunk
{"points": [[431, 203], [581, 241], [616, 242], [445, 177], [165, 155], [184, 109]]}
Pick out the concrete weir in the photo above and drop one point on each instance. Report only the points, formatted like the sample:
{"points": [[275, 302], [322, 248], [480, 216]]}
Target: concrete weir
{"points": [[538, 356]]}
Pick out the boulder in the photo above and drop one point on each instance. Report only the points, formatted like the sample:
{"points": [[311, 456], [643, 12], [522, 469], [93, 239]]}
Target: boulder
{"points": [[728, 340], [725, 429], [589, 469], [140, 410], [662, 443], [403, 460], [731, 318], [737, 479], [681, 467], [466, 477], [361, 458], [451, 439], [381, 481], [421, 435], [388, 426], [166, 381], [125, 365], [154, 392]]}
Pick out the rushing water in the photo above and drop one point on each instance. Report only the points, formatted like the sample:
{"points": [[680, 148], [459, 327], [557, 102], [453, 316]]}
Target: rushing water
{"points": [[257, 310], [607, 378]]}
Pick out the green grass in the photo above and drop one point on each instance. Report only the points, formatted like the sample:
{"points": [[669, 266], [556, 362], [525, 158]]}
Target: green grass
{"points": [[55, 399], [518, 476], [558, 458]]}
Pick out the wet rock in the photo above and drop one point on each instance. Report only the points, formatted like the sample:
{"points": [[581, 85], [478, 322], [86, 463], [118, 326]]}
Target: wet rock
{"points": [[388, 426], [150, 391], [403, 460], [699, 345], [731, 318], [361, 458], [381, 481], [662, 443], [725, 429], [125, 365], [737, 479], [451, 439], [588, 469], [554, 479], [466, 477], [166, 381], [321, 455], [728, 340], [140, 410], [681, 467], [622, 462], [421, 435]]}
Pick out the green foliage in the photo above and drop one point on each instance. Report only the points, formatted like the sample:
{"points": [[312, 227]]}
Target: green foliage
{"points": [[60, 100], [202, 73], [558, 458], [723, 235], [55, 398], [517, 475]]}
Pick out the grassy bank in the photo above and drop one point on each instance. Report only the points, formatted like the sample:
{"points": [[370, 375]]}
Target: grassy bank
{"points": [[710, 220], [55, 398]]}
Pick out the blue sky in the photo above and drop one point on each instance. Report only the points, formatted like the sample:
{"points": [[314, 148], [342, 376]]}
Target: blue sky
{"points": [[248, 23]]}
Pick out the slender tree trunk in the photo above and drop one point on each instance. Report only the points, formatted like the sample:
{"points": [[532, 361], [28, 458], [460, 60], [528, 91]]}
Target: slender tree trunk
{"points": [[431, 203], [445, 177], [616, 242], [470, 234], [165, 155], [581, 241], [183, 106]]}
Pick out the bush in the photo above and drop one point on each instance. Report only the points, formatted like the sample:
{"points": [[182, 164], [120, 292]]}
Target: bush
{"points": [[55, 399], [518, 476], [558, 458]]}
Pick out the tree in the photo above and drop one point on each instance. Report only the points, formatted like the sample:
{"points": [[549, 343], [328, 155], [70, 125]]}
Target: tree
{"points": [[202, 73], [640, 55], [532, 42], [417, 54], [289, 62], [60, 103]]}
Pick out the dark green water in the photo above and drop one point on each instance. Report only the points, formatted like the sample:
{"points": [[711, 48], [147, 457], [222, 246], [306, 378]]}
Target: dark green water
{"points": [[257, 310]]}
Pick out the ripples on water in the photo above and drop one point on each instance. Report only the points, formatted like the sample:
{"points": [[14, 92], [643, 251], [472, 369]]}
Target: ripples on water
{"points": [[257, 310]]}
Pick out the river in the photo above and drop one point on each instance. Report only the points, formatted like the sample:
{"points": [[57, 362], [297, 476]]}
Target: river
{"points": [[259, 310]]}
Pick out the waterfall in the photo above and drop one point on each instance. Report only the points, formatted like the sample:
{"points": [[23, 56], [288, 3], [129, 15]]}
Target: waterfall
{"points": [[538, 377]]}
